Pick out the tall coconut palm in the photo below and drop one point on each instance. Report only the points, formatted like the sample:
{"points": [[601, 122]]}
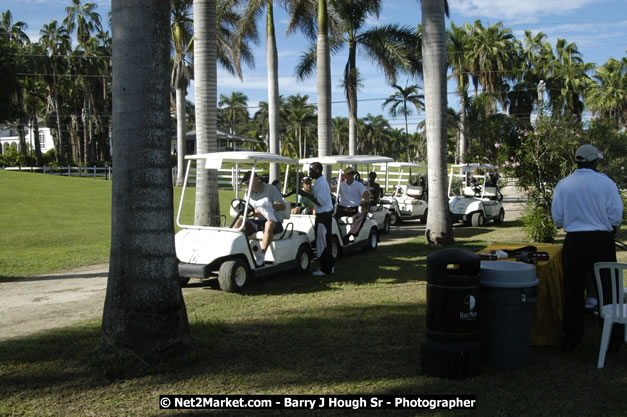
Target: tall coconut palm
{"points": [[56, 42], [323, 57], [340, 134], [607, 95], [13, 34], [300, 117], [460, 63], [376, 132], [84, 19], [397, 103], [207, 208], [386, 46], [234, 109], [439, 228], [492, 52], [144, 312], [569, 79], [181, 26]]}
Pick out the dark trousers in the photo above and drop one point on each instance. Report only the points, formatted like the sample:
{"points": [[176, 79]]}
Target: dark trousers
{"points": [[326, 258], [580, 252], [358, 218]]}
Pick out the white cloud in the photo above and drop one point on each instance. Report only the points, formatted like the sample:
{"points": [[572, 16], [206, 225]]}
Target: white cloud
{"points": [[516, 10]]}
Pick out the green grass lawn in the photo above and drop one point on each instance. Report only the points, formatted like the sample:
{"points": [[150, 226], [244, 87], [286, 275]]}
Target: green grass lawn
{"points": [[356, 332]]}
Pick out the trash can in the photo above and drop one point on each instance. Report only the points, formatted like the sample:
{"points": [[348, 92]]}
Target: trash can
{"points": [[451, 344], [508, 296]]}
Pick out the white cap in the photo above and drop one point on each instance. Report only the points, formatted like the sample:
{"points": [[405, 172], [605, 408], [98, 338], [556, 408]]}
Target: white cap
{"points": [[587, 153]]}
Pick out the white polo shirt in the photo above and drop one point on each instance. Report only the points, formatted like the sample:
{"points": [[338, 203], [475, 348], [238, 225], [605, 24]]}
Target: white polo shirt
{"points": [[586, 201], [351, 194], [322, 193]]}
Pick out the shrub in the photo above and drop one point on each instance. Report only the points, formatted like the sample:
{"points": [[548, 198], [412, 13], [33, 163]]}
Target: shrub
{"points": [[537, 222]]}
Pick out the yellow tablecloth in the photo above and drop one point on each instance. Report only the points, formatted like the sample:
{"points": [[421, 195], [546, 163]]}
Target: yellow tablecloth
{"points": [[547, 322]]}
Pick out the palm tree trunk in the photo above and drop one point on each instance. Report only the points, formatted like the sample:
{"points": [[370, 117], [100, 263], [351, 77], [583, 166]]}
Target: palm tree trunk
{"points": [[462, 129], [324, 85], [207, 210], [38, 156], [406, 129], [144, 311], [180, 136], [439, 227], [351, 96], [60, 151], [272, 60], [21, 123]]}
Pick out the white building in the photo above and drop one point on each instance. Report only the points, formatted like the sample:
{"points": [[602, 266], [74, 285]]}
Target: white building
{"points": [[10, 138]]}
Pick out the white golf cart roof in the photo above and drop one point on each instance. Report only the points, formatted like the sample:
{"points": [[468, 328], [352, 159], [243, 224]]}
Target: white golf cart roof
{"points": [[240, 157], [474, 166], [404, 165]]}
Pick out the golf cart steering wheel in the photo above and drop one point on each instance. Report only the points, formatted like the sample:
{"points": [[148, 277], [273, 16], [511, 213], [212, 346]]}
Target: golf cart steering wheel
{"points": [[239, 205]]}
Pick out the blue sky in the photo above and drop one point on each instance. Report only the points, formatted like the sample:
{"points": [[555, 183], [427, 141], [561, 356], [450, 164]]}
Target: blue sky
{"points": [[598, 27]]}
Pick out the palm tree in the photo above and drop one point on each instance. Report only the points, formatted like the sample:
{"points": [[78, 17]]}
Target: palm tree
{"points": [[439, 228], [56, 42], [234, 109], [340, 134], [182, 32], [144, 312], [13, 34], [376, 131], [569, 78], [323, 57], [300, 118], [607, 96], [84, 19], [207, 208], [253, 11], [492, 53], [398, 105], [384, 45], [461, 65]]}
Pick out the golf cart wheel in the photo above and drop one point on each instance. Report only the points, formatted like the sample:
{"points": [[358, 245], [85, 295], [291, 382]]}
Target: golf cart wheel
{"points": [[477, 219], [183, 281], [501, 217], [373, 240], [423, 219], [303, 258], [335, 248], [386, 225], [395, 218], [233, 275]]}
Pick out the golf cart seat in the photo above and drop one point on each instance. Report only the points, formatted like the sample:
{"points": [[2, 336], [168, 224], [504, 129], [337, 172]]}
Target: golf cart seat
{"points": [[345, 220], [414, 191], [469, 192], [490, 192], [286, 215]]}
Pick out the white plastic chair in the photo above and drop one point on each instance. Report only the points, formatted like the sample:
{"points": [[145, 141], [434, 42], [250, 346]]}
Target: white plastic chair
{"points": [[616, 310]]}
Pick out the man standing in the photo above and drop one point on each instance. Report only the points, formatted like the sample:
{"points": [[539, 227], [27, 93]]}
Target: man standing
{"points": [[324, 219], [589, 208], [352, 194], [268, 204]]}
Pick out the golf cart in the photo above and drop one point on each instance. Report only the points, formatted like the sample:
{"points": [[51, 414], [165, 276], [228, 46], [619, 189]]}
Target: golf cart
{"points": [[378, 211], [227, 252], [408, 201], [475, 196], [368, 238]]}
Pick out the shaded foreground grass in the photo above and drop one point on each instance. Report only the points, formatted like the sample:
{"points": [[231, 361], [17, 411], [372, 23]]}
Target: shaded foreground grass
{"points": [[356, 332]]}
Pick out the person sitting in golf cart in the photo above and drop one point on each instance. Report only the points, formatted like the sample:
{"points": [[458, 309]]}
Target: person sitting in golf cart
{"points": [[268, 203], [352, 195], [305, 205], [374, 188]]}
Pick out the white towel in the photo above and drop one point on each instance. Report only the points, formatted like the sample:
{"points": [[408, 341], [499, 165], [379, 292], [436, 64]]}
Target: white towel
{"points": [[321, 239], [265, 208]]}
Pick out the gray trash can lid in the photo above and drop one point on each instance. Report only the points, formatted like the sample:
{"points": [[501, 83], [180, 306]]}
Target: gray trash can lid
{"points": [[508, 274]]}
